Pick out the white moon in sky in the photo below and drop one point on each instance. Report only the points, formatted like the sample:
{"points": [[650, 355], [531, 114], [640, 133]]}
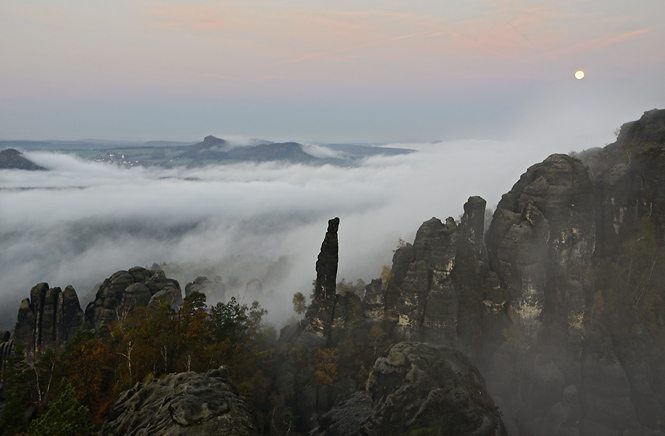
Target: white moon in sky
{"points": [[579, 74]]}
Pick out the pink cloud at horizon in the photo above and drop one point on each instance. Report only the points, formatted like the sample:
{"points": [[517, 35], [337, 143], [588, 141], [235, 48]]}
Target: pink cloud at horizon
{"points": [[120, 53]]}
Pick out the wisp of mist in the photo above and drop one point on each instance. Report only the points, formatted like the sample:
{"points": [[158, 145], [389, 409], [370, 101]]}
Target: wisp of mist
{"points": [[81, 221]]}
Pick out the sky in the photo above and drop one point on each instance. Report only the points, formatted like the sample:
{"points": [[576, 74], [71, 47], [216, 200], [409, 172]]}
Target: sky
{"points": [[361, 70]]}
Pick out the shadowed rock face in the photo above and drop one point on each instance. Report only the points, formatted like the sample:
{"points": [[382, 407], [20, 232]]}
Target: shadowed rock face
{"points": [[320, 312], [422, 289], [441, 288], [48, 317], [181, 404], [417, 387], [125, 290], [542, 230]]}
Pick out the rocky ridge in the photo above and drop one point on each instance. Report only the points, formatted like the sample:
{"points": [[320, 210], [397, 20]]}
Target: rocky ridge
{"points": [[552, 305]]}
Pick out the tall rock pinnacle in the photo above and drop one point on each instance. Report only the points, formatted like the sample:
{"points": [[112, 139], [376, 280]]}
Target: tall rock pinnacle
{"points": [[321, 310]]}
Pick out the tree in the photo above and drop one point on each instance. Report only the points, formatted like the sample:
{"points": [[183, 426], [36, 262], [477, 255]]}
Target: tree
{"points": [[228, 321], [64, 417], [325, 367], [299, 303], [88, 364], [15, 381], [192, 329]]}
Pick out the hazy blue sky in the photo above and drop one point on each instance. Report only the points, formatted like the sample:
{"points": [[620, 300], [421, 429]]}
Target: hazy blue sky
{"points": [[324, 71]]}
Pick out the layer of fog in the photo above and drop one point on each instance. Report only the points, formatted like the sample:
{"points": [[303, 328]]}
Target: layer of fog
{"points": [[81, 221]]}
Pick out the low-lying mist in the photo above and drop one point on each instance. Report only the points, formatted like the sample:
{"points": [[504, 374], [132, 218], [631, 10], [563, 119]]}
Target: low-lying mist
{"points": [[81, 221]]}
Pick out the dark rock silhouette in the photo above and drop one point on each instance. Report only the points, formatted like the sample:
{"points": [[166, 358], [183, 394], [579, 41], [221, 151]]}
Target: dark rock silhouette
{"points": [[49, 317], [125, 290], [320, 312]]}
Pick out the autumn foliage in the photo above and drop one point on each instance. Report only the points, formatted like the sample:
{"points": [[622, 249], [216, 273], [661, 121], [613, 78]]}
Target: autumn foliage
{"points": [[145, 343]]}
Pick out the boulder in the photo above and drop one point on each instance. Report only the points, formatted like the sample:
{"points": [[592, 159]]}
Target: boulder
{"points": [[181, 404], [125, 290], [424, 387]]}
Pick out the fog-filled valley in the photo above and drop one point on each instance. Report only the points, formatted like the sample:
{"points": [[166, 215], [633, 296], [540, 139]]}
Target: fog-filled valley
{"points": [[485, 288], [81, 221]]}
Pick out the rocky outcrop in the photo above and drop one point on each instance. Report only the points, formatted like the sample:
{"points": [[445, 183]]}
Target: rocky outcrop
{"points": [[48, 318], [429, 387], [631, 176], [562, 306], [320, 312], [421, 290], [181, 404], [440, 288], [542, 234], [346, 418], [125, 290], [417, 388], [51, 316], [577, 245]]}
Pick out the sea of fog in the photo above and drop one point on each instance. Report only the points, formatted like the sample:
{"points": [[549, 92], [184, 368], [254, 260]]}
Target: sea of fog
{"points": [[81, 221]]}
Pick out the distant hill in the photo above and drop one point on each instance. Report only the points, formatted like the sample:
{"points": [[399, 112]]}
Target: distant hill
{"points": [[13, 159], [211, 150], [359, 151], [216, 149]]}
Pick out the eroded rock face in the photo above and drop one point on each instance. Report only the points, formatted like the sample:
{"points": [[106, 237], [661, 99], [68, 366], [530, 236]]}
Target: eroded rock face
{"points": [[422, 289], [181, 404], [417, 388], [542, 230], [125, 290], [320, 312], [441, 288], [49, 317], [424, 386]]}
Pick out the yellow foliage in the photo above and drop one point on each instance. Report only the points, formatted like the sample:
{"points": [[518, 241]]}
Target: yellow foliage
{"points": [[325, 367]]}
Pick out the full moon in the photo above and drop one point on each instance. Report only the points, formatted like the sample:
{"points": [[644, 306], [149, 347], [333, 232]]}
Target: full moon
{"points": [[579, 74]]}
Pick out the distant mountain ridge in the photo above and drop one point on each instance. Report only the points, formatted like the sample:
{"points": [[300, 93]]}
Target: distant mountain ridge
{"points": [[211, 150]]}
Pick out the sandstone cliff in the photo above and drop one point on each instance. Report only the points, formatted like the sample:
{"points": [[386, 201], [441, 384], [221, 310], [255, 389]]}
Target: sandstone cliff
{"points": [[562, 306]]}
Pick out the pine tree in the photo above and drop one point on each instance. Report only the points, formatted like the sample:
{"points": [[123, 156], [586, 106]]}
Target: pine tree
{"points": [[64, 416]]}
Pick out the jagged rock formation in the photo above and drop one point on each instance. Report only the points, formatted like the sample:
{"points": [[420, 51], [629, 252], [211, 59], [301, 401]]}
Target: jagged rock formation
{"points": [[320, 312], [543, 231], [49, 317], [13, 159], [417, 387], [563, 309], [181, 404], [125, 290], [440, 289], [422, 292]]}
